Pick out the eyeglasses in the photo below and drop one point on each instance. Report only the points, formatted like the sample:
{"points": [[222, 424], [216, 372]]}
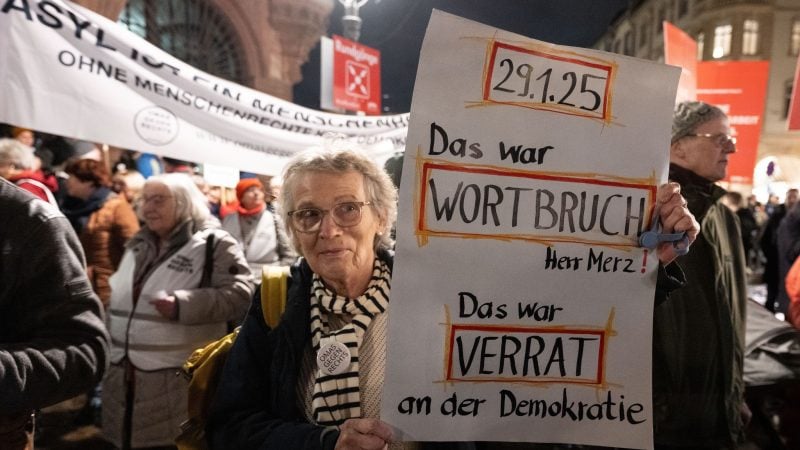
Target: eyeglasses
{"points": [[720, 139], [156, 200], [309, 220]]}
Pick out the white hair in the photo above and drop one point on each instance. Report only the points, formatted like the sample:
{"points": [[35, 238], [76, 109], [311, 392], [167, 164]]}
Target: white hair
{"points": [[190, 203], [378, 187], [16, 153]]}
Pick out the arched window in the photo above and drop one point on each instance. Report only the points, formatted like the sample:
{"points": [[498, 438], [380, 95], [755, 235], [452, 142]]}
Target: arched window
{"points": [[191, 30]]}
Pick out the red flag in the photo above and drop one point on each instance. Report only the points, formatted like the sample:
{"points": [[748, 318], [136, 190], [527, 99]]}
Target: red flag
{"points": [[739, 88], [681, 50]]}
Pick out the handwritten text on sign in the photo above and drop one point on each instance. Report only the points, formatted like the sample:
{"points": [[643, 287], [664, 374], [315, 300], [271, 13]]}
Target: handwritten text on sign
{"points": [[529, 173], [552, 81], [489, 202]]}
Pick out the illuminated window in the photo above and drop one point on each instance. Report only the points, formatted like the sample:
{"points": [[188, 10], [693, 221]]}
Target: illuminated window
{"points": [[701, 40], [794, 46], [722, 41], [750, 37], [195, 32]]}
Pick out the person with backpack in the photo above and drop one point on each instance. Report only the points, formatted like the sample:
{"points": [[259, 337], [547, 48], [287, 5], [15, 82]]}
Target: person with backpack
{"points": [[315, 380], [177, 288]]}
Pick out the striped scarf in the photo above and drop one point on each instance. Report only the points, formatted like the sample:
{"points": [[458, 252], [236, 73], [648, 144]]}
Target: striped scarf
{"points": [[336, 397]]}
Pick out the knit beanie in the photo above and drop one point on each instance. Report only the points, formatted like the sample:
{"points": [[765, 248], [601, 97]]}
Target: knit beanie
{"points": [[243, 185], [690, 115]]}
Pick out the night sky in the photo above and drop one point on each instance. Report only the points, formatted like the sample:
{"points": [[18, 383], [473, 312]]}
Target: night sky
{"points": [[397, 27]]}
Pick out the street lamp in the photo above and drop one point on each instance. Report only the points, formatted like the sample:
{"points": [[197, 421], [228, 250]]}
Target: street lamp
{"points": [[351, 21]]}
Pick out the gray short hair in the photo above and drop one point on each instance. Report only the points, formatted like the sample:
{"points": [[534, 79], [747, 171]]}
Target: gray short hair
{"points": [[378, 187], [15, 152], [190, 203], [687, 116]]}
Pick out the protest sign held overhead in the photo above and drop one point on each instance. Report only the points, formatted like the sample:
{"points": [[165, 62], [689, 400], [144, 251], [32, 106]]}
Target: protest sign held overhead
{"points": [[69, 71], [522, 303]]}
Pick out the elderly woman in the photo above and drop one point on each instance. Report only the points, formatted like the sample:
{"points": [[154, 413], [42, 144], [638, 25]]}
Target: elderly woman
{"points": [[339, 207], [177, 287], [260, 232], [103, 220], [275, 391]]}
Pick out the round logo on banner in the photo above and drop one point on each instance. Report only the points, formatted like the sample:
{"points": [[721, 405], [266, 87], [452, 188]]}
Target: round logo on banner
{"points": [[333, 358], [155, 125]]}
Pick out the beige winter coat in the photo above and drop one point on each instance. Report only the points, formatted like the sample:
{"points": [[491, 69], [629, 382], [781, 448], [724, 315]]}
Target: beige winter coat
{"points": [[159, 405]]}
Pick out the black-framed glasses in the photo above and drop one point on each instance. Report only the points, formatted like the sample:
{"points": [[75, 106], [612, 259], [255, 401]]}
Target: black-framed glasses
{"points": [[720, 139], [345, 214]]}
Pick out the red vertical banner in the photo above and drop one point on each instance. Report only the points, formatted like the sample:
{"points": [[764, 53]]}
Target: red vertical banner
{"points": [[356, 76], [793, 122], [739, 88], [681, 50]]}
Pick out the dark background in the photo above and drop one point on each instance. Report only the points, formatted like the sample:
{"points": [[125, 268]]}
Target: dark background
{"points": [[397, 27]]}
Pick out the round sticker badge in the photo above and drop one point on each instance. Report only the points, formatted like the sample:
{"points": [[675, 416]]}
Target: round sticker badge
{"points": [[333, 358]]}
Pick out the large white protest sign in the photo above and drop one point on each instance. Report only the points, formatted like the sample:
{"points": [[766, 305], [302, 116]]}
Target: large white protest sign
{"points": [[68, 71], [521, 302]]}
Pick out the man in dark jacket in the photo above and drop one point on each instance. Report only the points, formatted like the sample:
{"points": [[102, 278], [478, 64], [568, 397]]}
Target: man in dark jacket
{"points": [[698, 334], [53, 343]]}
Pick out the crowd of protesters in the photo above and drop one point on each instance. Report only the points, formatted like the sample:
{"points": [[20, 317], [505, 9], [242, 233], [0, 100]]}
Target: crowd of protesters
{"points": [[168, 277]]}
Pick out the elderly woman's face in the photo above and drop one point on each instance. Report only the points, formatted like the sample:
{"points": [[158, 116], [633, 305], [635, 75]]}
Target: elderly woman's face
{"points": [[158, 209], [337, 254]]}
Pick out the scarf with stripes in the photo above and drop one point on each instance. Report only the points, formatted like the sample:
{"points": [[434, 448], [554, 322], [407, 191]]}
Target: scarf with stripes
{"points": [[336, 397]]}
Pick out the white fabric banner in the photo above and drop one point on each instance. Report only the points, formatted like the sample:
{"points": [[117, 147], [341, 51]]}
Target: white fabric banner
{"points": [[69, 71], [521, 304]]}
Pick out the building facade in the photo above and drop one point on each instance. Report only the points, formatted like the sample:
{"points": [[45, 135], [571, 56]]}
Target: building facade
{"points": [[258, 43], [729, 30]]}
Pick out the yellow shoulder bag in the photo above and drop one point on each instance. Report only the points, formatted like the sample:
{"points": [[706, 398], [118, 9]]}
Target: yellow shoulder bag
{"points": [[204, 368]]}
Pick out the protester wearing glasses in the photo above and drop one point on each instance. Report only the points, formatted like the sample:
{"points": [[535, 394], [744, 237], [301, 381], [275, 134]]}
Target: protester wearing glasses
{"points": [[339, 207], [172, 293], [698, 335], [260, 231], [284, 388]]}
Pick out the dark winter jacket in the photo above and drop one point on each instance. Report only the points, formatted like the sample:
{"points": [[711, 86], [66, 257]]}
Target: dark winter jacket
{"points": [[256, 404], [698, 335], [53, 344]]}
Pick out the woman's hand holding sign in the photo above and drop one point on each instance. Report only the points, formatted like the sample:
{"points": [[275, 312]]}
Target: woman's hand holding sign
{"points": [[367, 434]]}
